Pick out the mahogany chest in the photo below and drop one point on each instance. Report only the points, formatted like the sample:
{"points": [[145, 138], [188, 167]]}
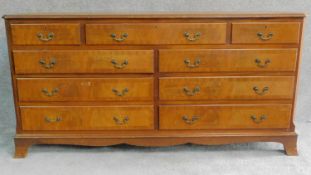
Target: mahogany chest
{"points": [[154, 79]]}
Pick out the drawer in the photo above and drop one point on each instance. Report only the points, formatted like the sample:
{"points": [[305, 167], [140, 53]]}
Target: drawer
{"points": [[266, 32], [225, 116], [230, 88], [83, 61], [85, 89], [227, 60], [46, 34], [87, 117], [156, 33]]}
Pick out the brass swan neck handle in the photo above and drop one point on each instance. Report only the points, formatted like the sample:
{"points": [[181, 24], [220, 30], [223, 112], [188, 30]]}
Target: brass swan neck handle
{"points": [[192, 37], [258, 120], [121, 65], [51, 93], [47, 65], [263, 91], [122, 37], [262, 64], [195, 64], [121, 121], [120, 93], [45, 38], [264, 37], [192, 92], [189, 120]]}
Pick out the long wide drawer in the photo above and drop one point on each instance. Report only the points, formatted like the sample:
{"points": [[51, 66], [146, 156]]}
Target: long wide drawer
{"points": [[46, 34], [227, 88], [87, 118], [227, 60], [156, 33], [225, 116], [83, 61], [266, 32], [85, 89]]}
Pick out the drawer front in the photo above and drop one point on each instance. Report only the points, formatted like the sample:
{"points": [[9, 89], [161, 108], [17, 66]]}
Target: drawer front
{"points": [[266, 32], [85, 89], [88, 61], [231, 88], [46, 34], [225, 117], [87, 118], [165, 33], [227, 60]]}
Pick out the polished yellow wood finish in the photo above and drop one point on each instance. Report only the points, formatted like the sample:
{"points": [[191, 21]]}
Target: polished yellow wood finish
{"points": [[154, 79], [227, 88], [156, 33], [63, 34], [87, 118], [86, 61], [225, 116], [85, 89], [271, 32], [227, 60]]}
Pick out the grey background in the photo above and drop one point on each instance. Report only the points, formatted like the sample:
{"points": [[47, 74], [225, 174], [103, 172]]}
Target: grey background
{"points": [[260, 158]]}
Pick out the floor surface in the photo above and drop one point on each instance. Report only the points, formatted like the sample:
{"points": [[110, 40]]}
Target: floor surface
{"points": [[235, 159]]}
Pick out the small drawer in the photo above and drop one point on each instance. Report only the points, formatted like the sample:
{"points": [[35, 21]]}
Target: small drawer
{"points": [[227, 60], [227, 88], [83, 61], [46, 34], [58, 118], [266, 32], [85, 89], [225, 117], [160, 33]]}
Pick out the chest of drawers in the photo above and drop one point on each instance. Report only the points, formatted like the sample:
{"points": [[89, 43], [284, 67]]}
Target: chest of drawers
{"points": [[154, 79]]}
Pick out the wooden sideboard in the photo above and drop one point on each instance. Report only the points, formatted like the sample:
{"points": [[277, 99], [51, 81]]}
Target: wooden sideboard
{"points": [[154, 79]]}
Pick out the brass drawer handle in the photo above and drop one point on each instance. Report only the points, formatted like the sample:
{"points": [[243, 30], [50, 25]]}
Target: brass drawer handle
{"points": [[122, 37], [119, 66], [263, 91], [196, 63], [120, 94], [191, 120], [192, 92], [46, 92], [264, 37], [193, 37], [46, 38], [259, 119], [121, 121], [52, 120], [260, 64], [48, 65]]}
